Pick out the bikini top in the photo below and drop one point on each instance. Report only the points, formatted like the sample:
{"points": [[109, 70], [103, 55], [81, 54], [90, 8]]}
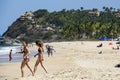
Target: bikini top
{"points": [[39, 50]]}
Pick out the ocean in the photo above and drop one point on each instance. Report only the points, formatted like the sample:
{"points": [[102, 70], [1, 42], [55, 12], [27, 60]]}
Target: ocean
{"points": [[4, 54], [6, 49]]}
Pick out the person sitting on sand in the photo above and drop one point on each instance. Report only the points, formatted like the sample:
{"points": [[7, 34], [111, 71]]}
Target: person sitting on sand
{"points": [[26, 59], [40, 55], [116, 48], [10, 55], [100, 45]]}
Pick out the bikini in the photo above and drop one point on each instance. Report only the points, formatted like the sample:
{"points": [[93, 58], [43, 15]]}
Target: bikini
{"points": [[27, 58], [40, 54], [39, 50]]}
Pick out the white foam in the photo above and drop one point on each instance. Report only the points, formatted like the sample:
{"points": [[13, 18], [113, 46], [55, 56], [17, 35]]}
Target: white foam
{"points": [[6, 50]]}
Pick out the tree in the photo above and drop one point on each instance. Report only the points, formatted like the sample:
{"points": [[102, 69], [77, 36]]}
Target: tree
{"points": [[81, 8]]}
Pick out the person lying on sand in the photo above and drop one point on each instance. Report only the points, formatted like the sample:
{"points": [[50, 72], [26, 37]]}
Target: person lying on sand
{"points": [[100, 45]]}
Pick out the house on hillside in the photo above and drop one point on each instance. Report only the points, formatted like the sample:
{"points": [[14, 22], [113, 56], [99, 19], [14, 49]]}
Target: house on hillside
{"points": [[47, 29], [28, 15], [22, 17], [117, 14], [50, 29], [94, 12]]}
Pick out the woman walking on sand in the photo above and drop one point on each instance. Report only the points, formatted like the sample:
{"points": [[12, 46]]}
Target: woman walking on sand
{"points": [[40, 56], [26, 59]]}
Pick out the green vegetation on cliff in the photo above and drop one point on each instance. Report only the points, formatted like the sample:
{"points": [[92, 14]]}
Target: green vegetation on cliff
{"points": [[66, 25]]}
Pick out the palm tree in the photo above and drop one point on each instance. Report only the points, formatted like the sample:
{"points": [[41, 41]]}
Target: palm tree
{"points": [[104, 8], [118, 10], [111, 8], [81, 8]]}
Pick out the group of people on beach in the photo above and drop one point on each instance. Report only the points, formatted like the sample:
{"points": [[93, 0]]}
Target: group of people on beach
{"points": [[25, 51], [110, 44]]}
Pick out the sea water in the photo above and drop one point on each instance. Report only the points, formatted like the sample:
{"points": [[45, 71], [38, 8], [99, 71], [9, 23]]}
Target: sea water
{"points": [[5, 50]]}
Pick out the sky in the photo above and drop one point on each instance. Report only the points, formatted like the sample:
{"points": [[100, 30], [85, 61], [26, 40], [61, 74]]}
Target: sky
{"points": [[10, 10]]}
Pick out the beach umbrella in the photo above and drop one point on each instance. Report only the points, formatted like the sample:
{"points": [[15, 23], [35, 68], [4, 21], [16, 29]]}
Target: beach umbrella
{"points": [[104, 38]]}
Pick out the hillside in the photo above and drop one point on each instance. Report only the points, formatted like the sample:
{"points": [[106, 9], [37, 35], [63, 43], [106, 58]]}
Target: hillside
{"points": [[31, 26], [66, 25]]}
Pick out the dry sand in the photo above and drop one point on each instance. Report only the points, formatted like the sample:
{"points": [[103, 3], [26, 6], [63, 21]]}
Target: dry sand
{"points": [[72, 61]]}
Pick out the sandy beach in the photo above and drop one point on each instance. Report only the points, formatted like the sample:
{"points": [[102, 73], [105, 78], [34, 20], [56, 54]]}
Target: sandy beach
{"points": [[71, 61]]}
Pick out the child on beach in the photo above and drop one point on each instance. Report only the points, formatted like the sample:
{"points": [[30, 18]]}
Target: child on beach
{"points": [[40, 56], [26, 59], [10, 55]]}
